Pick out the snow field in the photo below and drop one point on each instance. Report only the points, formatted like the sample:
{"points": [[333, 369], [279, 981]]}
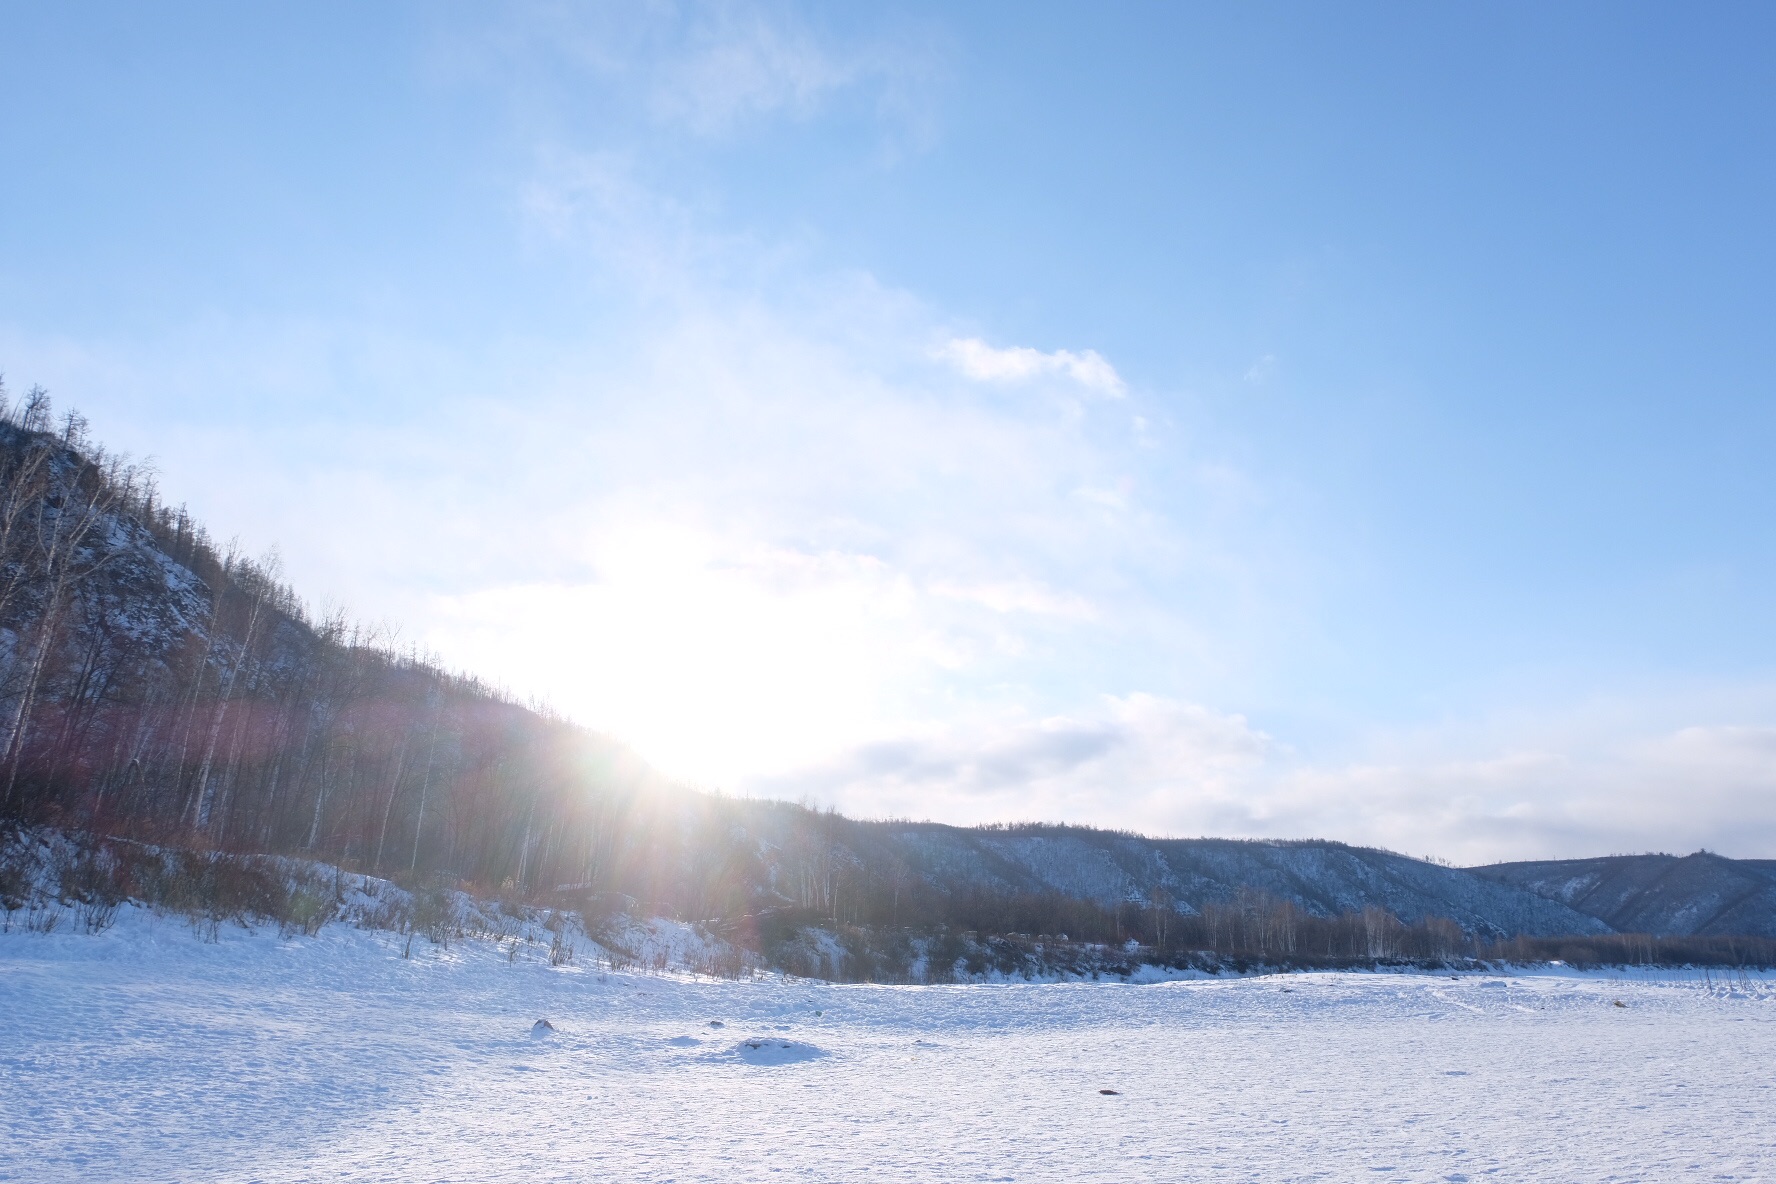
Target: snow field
{"points": [[145, 1054]]}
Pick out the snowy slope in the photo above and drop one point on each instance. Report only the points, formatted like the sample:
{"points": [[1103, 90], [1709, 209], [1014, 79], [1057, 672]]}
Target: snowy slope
{"points": [[1323, 878], [148, 1054], [1701, 893]]}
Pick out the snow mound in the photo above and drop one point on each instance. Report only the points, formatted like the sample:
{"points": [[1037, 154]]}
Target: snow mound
{"points": [[774, 1050]]}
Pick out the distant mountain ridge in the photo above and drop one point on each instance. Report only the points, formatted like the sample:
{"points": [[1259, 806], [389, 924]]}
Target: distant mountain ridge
{"points": [[1322, 878], [1701, 894]]}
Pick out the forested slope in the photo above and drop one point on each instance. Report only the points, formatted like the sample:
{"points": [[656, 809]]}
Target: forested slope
{"points": [[154, 686], [1702, 893]]}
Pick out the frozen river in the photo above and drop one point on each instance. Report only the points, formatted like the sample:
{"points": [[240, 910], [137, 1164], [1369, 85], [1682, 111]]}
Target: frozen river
{"points": [[144, 1054]]}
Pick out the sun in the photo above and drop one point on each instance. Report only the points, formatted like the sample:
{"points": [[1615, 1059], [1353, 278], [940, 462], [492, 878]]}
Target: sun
{"points": [[718, 663]]}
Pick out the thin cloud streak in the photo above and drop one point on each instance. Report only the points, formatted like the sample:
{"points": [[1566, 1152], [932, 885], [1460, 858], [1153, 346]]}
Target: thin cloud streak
{"points": [[985, 363]]}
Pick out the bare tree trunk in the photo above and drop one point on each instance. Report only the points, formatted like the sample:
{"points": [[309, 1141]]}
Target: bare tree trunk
{"points": [[389, 809], [224, 695], [314, 827], [425, 782]]}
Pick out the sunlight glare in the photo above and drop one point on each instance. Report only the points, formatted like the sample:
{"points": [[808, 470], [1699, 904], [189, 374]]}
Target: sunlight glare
{"points": [[716, 663]]}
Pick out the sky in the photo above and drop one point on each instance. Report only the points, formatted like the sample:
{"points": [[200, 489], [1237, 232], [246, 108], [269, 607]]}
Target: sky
{"points": [[1239, 419]]}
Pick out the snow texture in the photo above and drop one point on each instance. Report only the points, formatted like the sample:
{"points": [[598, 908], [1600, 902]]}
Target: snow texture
{"points": [[147, 1053]]}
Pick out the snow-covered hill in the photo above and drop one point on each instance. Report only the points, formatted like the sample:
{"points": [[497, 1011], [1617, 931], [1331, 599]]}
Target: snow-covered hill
{"points": [[1323, 878], [1701, 893]]}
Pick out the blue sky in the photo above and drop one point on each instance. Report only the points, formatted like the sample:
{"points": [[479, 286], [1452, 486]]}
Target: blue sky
{"points": [[1245, 419]]}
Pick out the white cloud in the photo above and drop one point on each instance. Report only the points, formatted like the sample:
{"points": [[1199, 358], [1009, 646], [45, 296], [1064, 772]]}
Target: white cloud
{"points": [[984, 363], [1567, 791], [741, 63], [1133, 757], [1161, 766], [767, 551], [707, 68]]}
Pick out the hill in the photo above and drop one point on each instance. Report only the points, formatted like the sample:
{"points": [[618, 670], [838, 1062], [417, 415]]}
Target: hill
{"points": [[157, 688], [1701, 894]]}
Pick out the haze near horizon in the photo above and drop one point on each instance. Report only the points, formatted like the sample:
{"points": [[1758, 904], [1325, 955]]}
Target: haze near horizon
{"points": [[1259, 421]]}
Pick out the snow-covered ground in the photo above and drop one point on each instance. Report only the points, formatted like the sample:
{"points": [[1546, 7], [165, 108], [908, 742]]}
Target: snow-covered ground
{"points": [[146, 1054]]}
